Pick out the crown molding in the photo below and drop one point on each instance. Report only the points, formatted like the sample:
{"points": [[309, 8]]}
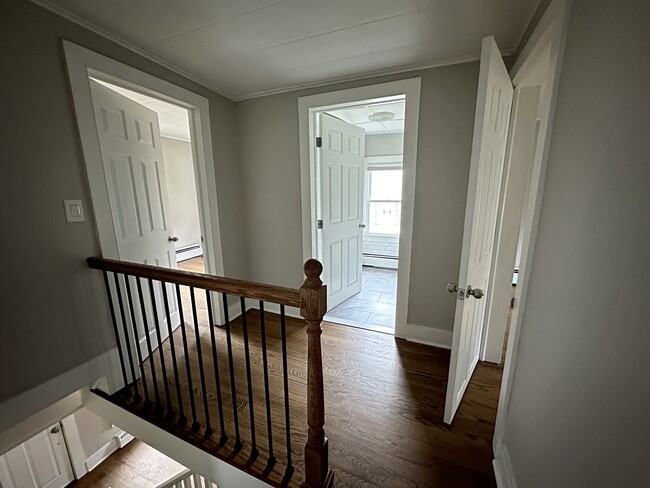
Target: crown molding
{"points": [[371, 74], [60, 11], [66, 14]]}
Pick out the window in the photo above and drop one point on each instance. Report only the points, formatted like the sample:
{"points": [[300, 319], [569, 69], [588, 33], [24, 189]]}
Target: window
{"points": [[384, 199]]}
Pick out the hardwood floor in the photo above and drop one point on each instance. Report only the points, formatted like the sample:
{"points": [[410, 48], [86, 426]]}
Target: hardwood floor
{"points": [[137, 465], [383, 412]]}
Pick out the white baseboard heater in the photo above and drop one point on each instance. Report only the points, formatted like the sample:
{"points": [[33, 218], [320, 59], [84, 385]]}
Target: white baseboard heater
{"points": [[188, 252]]}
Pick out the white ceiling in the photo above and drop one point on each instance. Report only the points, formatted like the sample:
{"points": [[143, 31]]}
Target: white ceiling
{"points": [[244, 48], [174, 121], [359, 117]]}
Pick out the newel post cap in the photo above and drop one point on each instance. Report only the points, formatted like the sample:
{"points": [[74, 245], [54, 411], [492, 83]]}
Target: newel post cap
{"points": [[313, 269]]}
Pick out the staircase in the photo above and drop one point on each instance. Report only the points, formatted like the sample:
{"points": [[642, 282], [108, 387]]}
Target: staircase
{"points": [[187, 479], [248, 391]]}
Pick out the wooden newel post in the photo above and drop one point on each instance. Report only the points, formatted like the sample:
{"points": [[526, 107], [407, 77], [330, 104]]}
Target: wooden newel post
{"points": [[313, 305]]}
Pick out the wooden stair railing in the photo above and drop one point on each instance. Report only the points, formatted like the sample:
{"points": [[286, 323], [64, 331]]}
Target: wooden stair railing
{"points": [[134, 308]]}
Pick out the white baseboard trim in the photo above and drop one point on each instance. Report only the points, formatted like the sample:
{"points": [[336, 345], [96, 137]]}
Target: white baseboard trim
{"points": [[502, 467], [106, 450], [234, 309], [429, 336], [122, 438]]}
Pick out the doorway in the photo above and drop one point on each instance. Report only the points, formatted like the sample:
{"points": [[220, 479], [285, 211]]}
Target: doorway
{"points": [[358, 152], [85, 66], [360, 174], [179, 175]]}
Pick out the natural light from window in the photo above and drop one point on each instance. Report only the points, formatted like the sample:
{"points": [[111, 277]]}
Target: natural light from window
{"points": [[385, 200]]}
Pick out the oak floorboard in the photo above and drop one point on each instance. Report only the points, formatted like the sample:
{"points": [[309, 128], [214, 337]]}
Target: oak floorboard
{"points": [[136, 465]]}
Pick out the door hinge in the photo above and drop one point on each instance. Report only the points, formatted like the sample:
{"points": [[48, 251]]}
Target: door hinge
{"points": [[320, 224], [319, 142]]}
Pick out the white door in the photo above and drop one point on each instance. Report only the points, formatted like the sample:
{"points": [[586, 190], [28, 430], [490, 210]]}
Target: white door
{"points": [[342, 154], [129, 138], [493, 104], [40, 462]]}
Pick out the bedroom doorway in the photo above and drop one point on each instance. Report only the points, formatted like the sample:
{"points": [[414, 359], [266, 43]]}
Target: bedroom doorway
{"points": [[358, 168]]}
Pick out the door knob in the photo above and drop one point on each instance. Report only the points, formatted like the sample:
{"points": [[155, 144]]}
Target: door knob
{"points": [[362, 226], [452, 287], [172, 239], [475, 292]]}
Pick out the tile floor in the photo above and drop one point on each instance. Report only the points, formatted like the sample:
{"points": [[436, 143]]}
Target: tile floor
{"points": [[375, 305]]}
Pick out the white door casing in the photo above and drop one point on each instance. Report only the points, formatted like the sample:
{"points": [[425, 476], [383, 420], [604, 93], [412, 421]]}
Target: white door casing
{"points": [[40, 462], [342, 156], [134, 170], [493, 106]]}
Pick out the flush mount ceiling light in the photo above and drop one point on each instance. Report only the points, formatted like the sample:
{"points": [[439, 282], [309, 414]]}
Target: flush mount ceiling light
{"points": [[381, 116]]}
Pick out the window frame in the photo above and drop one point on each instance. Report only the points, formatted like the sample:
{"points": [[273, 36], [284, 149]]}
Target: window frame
{"points": [[380, 163]]}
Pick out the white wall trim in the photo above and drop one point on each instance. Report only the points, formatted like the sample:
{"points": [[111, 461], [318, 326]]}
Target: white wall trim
{"points": [[81, 63], [372, 74], [388, 160], [75, 448], [308, 107], [26, 414], [212, 468], [550, 33], [234, 309], [503, 473], [101, 454], [429, 336]]}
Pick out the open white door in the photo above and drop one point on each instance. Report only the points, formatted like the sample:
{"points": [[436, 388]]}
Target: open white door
{"points": [[40, 462], [342, 153], [493, 104], [129, 138]]}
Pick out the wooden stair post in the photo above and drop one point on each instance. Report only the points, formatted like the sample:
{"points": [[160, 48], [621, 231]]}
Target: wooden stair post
{"points": [[313, 305]]}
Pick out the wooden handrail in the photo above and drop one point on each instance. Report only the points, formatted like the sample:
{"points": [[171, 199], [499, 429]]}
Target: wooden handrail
{"points": [[248, 289], [311, 298]]}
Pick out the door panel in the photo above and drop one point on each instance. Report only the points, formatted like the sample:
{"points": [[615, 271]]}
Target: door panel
{"points": [[40, 462], [129, 137], [341, 166], [493, 104]]}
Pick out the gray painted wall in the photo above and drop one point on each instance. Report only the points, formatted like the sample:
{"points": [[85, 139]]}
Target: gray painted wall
{"points": [[54, 312], [181, 191], [268, 142], [579, 410]]}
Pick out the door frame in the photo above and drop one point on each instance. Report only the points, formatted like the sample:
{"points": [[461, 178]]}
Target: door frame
{"points": [[308, 109], [549, 36], [82, 63]]}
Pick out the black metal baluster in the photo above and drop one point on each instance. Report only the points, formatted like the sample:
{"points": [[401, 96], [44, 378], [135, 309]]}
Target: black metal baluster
{"points": [[233, 388], [148, 341], [161, 354], [254, 451], [120, 303], [223, 437], [285, 374], [181, 414], [115, 331], [137, 338], [195, 423], [265, 365], [208, 429]]}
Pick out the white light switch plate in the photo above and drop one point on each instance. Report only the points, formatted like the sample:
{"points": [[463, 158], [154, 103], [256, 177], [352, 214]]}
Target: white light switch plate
{"points": [[74, 211]]}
